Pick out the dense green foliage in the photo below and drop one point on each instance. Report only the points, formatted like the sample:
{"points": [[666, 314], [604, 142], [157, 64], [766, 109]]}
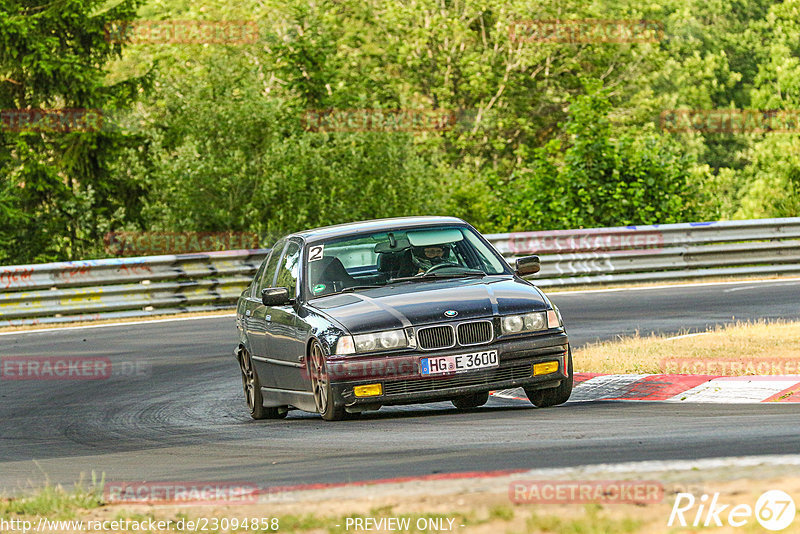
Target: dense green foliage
{"points": [[209, 137], [57, 190]]}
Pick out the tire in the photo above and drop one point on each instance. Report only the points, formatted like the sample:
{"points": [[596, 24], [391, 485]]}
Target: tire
{"points": [[321, 385], [544, 398], [473, 400], [252, 391]]}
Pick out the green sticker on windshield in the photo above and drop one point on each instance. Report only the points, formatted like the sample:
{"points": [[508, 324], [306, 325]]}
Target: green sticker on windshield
{"points": [[318, 288]]}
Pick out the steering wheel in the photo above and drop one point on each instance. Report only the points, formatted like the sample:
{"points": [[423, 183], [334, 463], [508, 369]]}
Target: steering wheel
{"points": [[440, 266]]}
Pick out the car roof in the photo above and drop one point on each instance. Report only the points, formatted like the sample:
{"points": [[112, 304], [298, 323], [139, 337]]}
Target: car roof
{"points": [[376, 225]]}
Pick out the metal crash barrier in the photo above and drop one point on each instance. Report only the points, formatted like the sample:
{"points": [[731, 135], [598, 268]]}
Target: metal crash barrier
{"points": [[155, 285], [124, 287], [657, 253]]}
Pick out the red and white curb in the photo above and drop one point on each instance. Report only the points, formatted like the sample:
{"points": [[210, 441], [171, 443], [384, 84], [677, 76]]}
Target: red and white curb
{"points": [[678, 388]]}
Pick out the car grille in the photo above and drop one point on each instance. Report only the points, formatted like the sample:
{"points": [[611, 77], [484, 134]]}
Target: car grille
{"points": [[436, 337], [475, 333], [512, 372]]}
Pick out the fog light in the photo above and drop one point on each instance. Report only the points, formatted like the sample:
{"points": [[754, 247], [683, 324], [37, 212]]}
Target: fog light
{"points": [[370, 390], [545, 368]]}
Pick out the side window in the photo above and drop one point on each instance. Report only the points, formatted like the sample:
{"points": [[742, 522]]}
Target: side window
{"points": [[289, 268], [257, 278], [272, 266]]}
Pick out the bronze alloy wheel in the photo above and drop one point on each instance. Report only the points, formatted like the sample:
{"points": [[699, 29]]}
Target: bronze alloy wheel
{"points": [[321, 386], [252, 391], [248, 379]]}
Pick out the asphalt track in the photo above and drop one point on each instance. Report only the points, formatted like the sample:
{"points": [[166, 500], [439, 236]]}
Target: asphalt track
{"points": [[186, 420]]}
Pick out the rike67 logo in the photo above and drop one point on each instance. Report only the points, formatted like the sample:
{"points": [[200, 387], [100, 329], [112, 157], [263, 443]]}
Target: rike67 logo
{"points": [[774, 510]]}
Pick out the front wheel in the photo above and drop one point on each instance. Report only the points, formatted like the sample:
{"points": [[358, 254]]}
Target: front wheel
{"points": [[321, 386], [473, 400], [544, 398], [252, 391]]}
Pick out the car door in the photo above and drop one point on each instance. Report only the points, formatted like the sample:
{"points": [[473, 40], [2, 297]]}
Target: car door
{"points": [[258, 319], [285, 335]]}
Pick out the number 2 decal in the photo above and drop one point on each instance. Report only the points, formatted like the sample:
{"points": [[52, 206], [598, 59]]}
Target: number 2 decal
{"points": [[315, 253]]}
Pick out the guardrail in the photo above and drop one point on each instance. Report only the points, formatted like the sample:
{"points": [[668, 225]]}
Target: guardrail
{"points": [[124, 287], [154, 285], [658, 252]]}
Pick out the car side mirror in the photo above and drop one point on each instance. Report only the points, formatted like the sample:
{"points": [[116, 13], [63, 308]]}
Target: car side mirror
{"points": [[275, 296], [527, 265]]}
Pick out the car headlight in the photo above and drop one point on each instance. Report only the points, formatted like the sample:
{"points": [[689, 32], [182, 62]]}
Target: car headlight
{"points": [[388, 340], [528, 322], [391, 339]]}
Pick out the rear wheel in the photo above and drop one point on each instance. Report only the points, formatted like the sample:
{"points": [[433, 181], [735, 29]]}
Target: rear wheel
{"points": [[321, 385], [252, 391], [544, 398], [473, 400]]}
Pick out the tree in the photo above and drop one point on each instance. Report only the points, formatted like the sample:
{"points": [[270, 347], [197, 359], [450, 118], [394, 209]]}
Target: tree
{"points": [[57, 191], [599, 179]]}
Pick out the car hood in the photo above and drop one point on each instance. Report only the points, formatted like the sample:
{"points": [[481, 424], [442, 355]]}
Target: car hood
{"points": [[418, 303]]}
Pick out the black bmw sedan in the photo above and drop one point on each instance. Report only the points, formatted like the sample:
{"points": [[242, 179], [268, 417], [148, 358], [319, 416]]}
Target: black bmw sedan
{"points": [[348, 318]]}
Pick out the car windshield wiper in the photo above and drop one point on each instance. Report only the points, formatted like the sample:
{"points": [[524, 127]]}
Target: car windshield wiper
{"points": [[351, 289], [438, 276], [356, 288]]}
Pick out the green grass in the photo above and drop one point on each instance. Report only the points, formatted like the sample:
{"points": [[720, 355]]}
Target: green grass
{"points": [[337, 524], [504, 513], [55, 501], [590, 523]]}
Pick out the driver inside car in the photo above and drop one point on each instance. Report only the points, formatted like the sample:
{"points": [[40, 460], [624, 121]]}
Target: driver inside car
{"points": [[424, 258]]}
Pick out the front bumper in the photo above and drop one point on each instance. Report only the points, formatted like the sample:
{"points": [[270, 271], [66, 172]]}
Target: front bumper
{"points": [[402, 383]]}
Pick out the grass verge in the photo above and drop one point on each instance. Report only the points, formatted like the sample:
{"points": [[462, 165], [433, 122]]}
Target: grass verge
{"points": [[718, 351], [54, 502], [480, 507]]}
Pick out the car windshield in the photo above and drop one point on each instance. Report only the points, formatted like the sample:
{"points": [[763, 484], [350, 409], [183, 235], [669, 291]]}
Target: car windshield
{"points": [[373, 260]]}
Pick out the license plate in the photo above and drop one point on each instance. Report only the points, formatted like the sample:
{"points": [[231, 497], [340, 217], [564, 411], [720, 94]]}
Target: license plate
{"points": [[459, 363]]}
